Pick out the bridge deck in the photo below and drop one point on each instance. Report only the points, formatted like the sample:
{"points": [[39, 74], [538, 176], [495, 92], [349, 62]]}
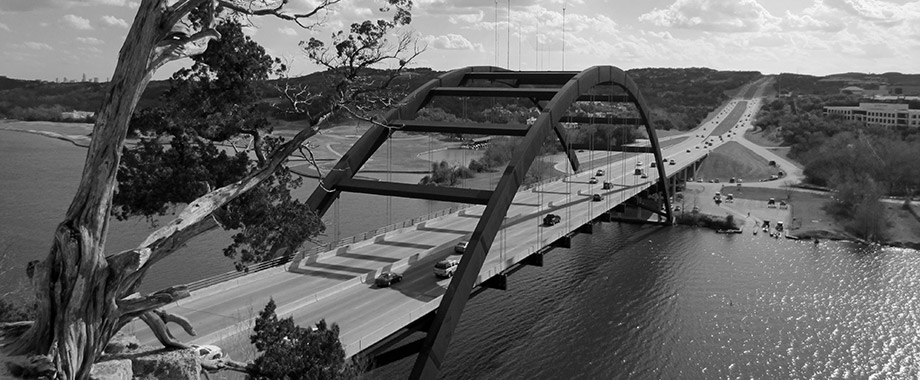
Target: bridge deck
{"points": [[337, 285]]}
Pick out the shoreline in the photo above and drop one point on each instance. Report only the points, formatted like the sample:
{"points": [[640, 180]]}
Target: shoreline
{"points": [[77, 140]]}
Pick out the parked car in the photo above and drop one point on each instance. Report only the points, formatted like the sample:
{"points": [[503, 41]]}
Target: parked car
{"points": [[551, 219], [446, 268], [771, 203], [386, 279], [209, 352], [592, 180], [688, 150], [607, 185], [779, 226], [600, 173], [597, 198], [461, 246]]}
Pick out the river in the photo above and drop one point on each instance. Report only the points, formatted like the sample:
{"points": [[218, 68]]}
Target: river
{"points": [[628, 302]]}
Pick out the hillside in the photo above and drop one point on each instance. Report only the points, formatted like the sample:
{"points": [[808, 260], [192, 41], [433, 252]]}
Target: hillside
{"points": [[734, 160]]}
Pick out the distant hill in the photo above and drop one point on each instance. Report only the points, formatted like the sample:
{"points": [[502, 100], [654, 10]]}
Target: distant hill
{"points": [[7, 83], [678, 98], [832, 84]]}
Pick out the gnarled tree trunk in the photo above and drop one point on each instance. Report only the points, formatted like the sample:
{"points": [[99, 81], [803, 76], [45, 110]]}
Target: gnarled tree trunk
{"points": [[81, 294]]}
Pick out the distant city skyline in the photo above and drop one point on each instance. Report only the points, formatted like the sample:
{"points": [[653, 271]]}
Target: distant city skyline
{"points": [[48, 39]]}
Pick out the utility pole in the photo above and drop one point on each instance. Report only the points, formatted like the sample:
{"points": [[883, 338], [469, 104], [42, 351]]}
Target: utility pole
{"points": [[563, 36]]}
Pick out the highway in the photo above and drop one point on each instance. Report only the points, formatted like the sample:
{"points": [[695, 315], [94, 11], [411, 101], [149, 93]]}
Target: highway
{"points": [[337, 285]]}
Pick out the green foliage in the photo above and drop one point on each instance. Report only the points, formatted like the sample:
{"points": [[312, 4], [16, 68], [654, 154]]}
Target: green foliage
{"points": [[539, 171], [288, 351], [498, 152], [15, 310], [836, 151], [442, 174], [707, 221], [597, 137], [180, 158], [681, 98]]}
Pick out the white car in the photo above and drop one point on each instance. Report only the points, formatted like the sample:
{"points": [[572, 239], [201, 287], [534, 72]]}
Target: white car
{"points": [[639, 163], [209, 352]]}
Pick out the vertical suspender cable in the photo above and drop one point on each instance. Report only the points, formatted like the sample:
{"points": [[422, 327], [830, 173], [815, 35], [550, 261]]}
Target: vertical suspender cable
{"points": [[389, 174]]}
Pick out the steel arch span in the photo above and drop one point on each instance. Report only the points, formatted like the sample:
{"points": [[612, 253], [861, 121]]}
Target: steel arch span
{"points": [[551, 92]]}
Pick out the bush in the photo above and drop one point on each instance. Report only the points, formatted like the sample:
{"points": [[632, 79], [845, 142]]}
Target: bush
{"points": [[288, 351], [707, 221]]}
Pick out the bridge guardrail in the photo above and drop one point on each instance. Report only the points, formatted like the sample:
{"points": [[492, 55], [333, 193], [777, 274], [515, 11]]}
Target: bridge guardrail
{"points": [[257, 267]]}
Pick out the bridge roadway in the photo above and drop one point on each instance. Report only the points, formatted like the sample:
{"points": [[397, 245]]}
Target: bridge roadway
{"points": [[338, 285]]}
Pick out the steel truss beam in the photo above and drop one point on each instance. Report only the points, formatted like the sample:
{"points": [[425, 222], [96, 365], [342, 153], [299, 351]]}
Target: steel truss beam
{"points": [[431, 357], [575, 87]]}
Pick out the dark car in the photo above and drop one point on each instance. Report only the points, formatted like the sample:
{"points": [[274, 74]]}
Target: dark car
{"points": [[638, 171], [673, 162], [592, 180], [653, 165], [596, 198], [607, 185], [551, 219], [600, 173], [387, 278]]}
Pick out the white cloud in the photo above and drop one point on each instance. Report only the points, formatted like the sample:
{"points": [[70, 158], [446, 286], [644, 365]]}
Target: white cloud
{"points": [[37, 45], [288, 30], [90, 40], [451, 42], [469, 18], [31, 5], [77, 22], [713, 15], [114, 21], [4, 27]]}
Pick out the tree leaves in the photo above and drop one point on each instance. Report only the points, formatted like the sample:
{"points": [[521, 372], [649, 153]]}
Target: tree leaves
{"points": [[288, 351]]}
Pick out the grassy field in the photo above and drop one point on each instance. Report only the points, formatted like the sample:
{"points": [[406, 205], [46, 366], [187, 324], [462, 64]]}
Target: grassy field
{"points": [[734, 160]]}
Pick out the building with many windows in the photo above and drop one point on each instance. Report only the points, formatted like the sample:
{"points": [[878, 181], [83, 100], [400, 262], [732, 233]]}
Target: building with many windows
{"points": [[878, 114]]}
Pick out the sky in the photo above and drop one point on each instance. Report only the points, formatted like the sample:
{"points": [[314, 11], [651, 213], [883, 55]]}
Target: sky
{"points": [[54, 39]]}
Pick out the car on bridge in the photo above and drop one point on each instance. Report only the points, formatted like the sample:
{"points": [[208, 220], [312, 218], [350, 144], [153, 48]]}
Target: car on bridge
{"points": [[592, 180], [597, 198], [607, 185], [644, 175], [639, 163], [446, 268], [600, 173], [653, 164], [551, 219], [386, 279], [638, 171], [673, 162], [461, 246]]}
